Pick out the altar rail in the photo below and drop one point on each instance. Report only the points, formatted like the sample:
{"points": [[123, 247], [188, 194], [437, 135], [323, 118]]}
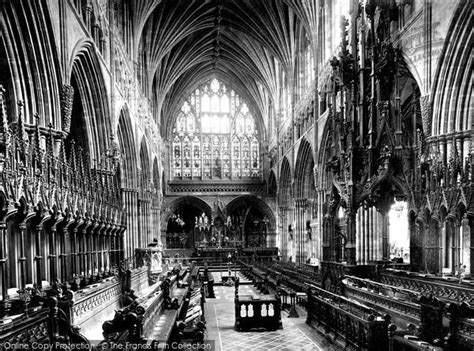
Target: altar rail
{"points": [[342, 318]]}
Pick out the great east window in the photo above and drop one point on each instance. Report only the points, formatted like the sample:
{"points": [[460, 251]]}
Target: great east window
{"points": [[215, 136]]}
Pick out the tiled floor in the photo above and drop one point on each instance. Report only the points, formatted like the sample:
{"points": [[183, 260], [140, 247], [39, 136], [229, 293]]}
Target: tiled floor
{"points": [[295, 335]]}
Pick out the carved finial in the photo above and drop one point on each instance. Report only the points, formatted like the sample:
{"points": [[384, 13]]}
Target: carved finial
{"points": [[62, 152], [49, 144], [4, 129], [73, 158], [80, 163], [37, 141], [20, 125], [67, 95]]}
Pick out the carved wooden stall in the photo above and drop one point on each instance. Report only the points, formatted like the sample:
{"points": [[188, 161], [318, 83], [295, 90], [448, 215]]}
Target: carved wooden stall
{"points": [[46, 322], [357, 325], [446, 290], [191, 323], [135, 323], [61, 219]]}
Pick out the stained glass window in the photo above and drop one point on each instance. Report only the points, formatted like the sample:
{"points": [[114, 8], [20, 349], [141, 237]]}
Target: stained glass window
{"points": [[215, 136]]}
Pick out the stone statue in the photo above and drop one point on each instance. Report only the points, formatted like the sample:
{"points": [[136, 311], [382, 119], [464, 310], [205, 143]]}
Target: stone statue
{"points": [[155, 251]]}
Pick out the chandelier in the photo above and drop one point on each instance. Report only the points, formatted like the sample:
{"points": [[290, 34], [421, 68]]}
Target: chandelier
{"points": [[178, 220], [202, 222]]}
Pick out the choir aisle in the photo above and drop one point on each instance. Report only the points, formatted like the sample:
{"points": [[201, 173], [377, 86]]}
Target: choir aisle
{"points": [[220, 317]]}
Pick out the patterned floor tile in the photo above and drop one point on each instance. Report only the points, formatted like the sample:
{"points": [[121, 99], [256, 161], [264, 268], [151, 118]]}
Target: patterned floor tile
{"points": [[220, 315]]}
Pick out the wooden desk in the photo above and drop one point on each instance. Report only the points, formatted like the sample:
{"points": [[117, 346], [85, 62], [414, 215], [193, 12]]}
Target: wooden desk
{"points": [[262, 311]]}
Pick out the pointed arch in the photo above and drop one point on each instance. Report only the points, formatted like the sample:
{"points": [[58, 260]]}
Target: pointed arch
{"points": [[127, 146], [285, 192], [249, 202], [31, 72], [156, 175], [272, 184], [90, 103], [452, 88], [182, 201], [304, 173], [145, 169]]}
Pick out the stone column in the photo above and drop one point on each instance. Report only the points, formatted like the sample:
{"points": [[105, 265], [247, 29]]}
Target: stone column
{"points": [[359, 239], [3, 260], [156, 232], [350, 251], [290, 218], [38, 256], [63, 254], [130, 200], [74, 251], [284, 236], [300, 229], [94, 249], [466, 244], [385, 236], [149, 221], [106, 248], [83, 252], [22, 258]]}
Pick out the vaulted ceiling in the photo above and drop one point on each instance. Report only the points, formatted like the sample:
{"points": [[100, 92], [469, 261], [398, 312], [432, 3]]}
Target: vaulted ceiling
{"points": [[237, 41]]}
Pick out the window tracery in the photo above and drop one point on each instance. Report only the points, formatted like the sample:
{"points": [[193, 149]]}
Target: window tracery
{"points": [[215, 136]]}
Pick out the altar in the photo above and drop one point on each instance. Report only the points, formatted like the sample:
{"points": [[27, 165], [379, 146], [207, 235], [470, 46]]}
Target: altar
{"points": [[219, 232]]}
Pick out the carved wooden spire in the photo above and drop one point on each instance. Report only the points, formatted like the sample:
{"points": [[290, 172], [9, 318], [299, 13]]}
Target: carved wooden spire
{"points": [[4, 129]]}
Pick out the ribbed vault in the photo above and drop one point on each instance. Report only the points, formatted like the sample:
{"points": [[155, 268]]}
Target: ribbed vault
{"points": [[240, 42]]}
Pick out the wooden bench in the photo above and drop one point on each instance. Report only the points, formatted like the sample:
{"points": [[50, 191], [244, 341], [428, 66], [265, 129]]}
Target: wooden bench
{"points": [[352, 324], [401, 303], [444, 289], [191, 322]]}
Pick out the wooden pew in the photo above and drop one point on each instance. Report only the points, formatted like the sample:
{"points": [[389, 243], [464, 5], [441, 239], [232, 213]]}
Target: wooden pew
{"points": [[135, 323], [208, 279], [461, 326], [446, 290], [353, 324], [407, 307], [402, 303], [190, 324]]}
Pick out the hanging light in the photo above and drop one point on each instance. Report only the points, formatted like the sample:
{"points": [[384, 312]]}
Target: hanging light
{"points": [[179, 221]]}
